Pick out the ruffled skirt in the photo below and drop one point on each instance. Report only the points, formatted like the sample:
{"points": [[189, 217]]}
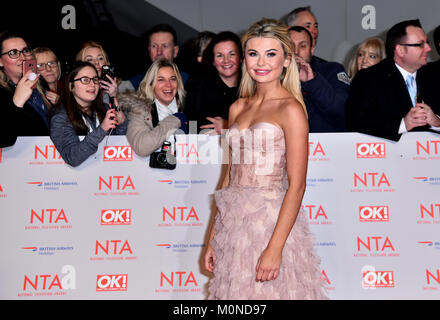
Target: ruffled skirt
{"points": [[243, 228]]}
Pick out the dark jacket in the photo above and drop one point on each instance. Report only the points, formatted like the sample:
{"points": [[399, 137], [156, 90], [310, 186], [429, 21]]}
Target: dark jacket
{"points": [[208, 96], [325, 96], [67, 142], [17, 121], [379, 100], [428, 77]]}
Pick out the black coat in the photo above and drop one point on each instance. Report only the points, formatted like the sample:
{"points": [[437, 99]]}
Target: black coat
{"points": [[379, 99], [17, 121], [430, 80], [208, 96], [325, 96]]}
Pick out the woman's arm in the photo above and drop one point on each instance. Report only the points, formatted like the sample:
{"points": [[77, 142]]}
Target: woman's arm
{"points": [[66, 141], [293, 121], [234, 110], [143, 137]]}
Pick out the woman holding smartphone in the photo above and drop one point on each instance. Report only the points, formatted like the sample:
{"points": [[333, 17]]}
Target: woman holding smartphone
{"points": [[82, 113], [23, 106]]}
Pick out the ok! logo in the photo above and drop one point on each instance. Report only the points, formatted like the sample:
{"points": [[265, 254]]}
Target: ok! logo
{"points": [[114, 217], [377, 279], [111, 282], [374, 214], [118, 153], [370, 150]]}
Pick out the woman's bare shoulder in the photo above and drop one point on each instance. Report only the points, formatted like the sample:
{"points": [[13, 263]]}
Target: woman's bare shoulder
{"points": [[291, 111]]}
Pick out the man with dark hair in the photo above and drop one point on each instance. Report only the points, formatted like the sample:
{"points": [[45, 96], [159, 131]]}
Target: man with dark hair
{"points": [[390, 98], [162, 43], [325, 85]]}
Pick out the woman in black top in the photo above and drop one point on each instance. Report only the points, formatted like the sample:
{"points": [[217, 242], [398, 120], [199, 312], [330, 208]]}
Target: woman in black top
{"points": [[23, 108], [211, 92]]}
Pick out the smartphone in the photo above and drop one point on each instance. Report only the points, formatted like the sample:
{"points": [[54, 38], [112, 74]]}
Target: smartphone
{"points": [[107, 69], [30, 65]]}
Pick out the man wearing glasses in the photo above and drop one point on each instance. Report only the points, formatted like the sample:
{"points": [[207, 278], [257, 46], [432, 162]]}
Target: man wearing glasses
{"points": [[390, 98]]}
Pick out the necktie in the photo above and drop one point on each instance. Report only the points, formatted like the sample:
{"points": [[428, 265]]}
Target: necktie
{"points": [[411, 88]]}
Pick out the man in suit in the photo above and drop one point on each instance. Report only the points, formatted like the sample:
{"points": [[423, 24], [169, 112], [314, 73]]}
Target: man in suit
{"points": [[389, 98], [325, 85]]}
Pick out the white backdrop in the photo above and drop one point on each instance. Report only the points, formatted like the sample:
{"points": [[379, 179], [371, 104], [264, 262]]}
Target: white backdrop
{"points": [[113, 228]]}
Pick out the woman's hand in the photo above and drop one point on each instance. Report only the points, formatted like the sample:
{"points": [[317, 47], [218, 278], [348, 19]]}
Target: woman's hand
{"points": [[109, 87], [209, 258], [52, 97], [120, 116], [217, 124], [109, 121], [268, 265], [23, 91]]}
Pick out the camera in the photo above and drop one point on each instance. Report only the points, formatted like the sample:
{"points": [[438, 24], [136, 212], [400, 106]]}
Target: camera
{"points": [[163, 159], [106, 69]]}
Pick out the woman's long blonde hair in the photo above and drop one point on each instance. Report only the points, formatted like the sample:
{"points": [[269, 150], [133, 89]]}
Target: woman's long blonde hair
{"points": [[271, 28], [91, 44], [375, 44], [146, 87]]}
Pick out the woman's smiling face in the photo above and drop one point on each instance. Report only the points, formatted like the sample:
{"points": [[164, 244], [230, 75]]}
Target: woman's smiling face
{"points": [[166, 85], [265, 59]]}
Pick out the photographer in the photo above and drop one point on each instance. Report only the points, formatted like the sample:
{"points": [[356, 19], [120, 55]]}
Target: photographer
{"points": [[82, 113], [156, 108]]}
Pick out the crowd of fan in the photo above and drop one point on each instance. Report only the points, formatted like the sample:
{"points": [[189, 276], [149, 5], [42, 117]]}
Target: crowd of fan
{"points": [[79, 108]]}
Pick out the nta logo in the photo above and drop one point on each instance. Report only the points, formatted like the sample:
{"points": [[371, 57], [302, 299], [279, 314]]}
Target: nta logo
{"points": [[52, 281]]}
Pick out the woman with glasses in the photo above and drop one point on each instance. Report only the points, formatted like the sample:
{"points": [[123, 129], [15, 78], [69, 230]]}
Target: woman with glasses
{"points": [[156, 108], [23, 105], [49, 69], [82, 113]]}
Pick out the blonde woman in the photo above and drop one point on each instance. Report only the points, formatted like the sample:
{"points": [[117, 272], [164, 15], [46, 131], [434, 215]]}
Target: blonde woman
{"points": [[368, 53], [156, 108], [260, 246], [94, 53]]}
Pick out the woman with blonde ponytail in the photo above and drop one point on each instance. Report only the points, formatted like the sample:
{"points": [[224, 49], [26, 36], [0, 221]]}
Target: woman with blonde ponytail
{"points": [[260, 246]]}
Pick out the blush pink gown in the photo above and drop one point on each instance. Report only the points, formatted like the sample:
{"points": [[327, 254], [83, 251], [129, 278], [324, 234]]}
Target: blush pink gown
{"points": [[247, 213]]}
